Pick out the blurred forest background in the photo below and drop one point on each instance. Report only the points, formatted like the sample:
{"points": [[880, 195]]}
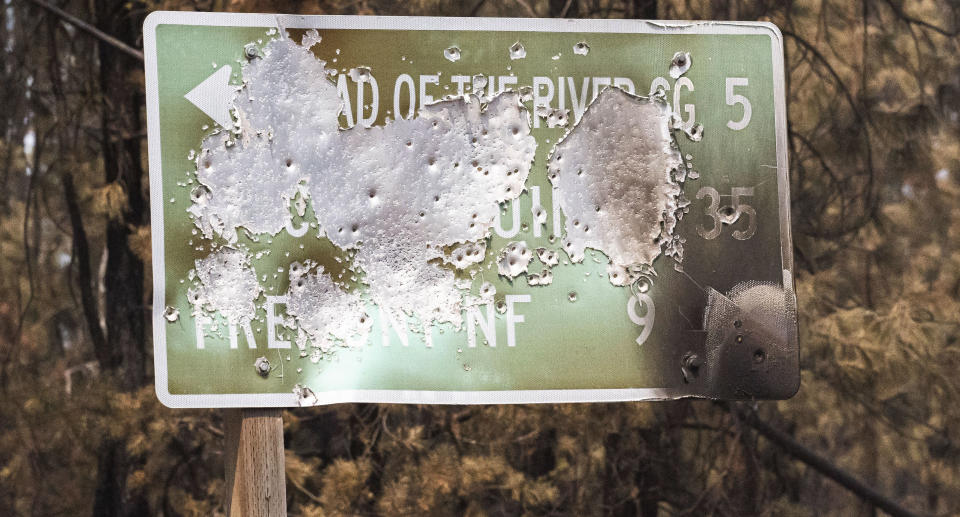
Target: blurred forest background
{"points": [[874, 108]]}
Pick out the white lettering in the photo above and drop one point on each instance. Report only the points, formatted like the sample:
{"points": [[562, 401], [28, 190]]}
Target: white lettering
{"points": [[660, 83], [428, 336], [578, 105], [387, 321], [247, 332], [625, 84], [541, 100], [345, 97], [598, 84], [404, 79], [461, 81], [555, 201], [646, 321], [424, 81], [515, 229], [561, 94], [535, 199], [299, 231], [488, 326], [505, 81], [273, 341], [512, 318], [199, 321], [374, 102], [684, 82]]}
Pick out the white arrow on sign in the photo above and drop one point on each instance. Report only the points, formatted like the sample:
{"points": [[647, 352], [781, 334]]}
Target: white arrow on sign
{"points": [[213, 96]]}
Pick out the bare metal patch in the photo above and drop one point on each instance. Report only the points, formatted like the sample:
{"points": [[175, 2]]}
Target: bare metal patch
{"points": [[400, 195], [615, 178]]}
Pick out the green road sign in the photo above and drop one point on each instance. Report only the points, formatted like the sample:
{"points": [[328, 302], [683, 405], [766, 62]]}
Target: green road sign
{"points": [[447, 210]]}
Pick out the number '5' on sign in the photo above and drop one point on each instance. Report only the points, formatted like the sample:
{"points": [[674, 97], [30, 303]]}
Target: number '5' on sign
{"points": [[729, 214]]}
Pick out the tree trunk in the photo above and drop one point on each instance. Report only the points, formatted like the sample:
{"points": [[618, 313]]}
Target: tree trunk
{"points": [[126, 314], [81, 252], [112, 498], [557, 8], [121, 105], [642, 9]]}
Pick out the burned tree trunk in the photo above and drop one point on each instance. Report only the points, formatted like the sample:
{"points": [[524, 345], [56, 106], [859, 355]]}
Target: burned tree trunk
{"points": [[126, 317], [122, 162]]}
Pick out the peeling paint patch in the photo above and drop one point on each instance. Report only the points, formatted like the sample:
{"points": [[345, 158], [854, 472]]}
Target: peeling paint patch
{"points": [[286, 119], [325, 311], [305, 396], [398, 194], [227, 284], [614, 175], [679, 64], [514, 259], [517, 51]]}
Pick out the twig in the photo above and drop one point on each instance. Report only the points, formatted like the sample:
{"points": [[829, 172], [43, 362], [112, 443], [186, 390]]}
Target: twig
{"points": [[822, 465], [89, 29], [916, 21], [304, 490]]}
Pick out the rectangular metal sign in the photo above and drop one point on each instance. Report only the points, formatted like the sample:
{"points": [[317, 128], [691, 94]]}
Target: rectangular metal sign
{"points": [[452, 210]]}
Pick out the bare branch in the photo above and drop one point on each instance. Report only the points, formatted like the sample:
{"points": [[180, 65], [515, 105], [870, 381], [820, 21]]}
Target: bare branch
{"points": [[916, 21], [90, 29], [821, 465]]}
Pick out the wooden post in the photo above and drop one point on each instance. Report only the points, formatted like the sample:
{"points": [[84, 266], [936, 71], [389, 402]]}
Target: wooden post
{"points": [[253, 460]]}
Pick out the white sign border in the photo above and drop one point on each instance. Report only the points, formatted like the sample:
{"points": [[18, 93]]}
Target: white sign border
{"points": [[323, 22]]}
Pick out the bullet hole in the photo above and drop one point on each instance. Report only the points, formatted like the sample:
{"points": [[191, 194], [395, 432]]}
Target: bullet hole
{"points": [[171, 314], [759, 356], [690, 367]]}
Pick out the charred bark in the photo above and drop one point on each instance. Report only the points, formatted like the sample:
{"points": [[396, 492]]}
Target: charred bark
{"points": [[124, 280], [121, 104], [81, 254]]}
